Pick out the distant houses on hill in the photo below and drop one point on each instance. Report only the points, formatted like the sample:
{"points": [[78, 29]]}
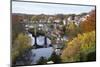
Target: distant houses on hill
{"points": [[61, 19]]}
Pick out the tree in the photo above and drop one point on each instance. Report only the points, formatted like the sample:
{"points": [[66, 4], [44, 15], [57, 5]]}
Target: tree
{"points": [[72, 30], [80, 48], [90, 23], [16, 29], [21, 43]]}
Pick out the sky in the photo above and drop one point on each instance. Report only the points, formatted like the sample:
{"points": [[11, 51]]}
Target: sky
{"points": [[45, 8]]}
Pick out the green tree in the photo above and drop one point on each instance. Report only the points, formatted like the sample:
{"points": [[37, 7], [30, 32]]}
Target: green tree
{"points": [[72, 30]]}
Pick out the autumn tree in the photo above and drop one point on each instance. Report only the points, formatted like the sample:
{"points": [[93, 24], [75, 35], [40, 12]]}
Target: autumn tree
{"points": [[80, 48], [17, 26], [21, 43], [89, 24]]}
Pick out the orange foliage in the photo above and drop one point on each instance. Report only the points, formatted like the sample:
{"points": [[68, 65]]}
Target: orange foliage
{"points": [[90, 23]]}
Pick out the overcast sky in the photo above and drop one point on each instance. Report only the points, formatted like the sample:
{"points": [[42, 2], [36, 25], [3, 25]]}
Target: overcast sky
{"points": [[44, 8]]}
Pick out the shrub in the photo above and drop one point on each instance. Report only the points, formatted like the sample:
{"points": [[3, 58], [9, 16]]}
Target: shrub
{"points": [[55, 58], [42, 60]]}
